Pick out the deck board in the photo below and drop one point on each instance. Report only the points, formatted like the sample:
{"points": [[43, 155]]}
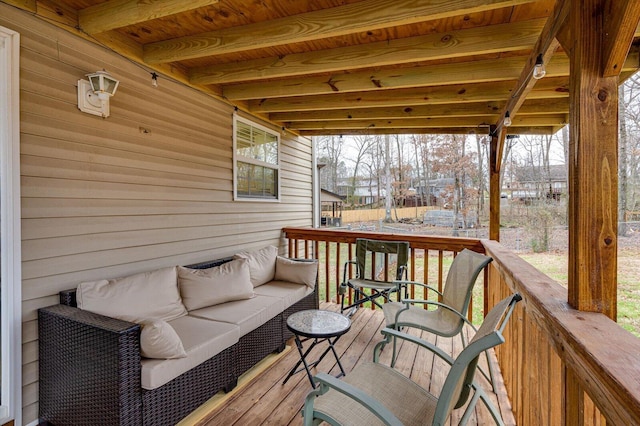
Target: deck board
{"points": [[265, 400]]}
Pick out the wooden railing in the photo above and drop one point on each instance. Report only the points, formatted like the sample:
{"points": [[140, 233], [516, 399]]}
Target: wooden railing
{"points": [[428, 257], [560, 366]]}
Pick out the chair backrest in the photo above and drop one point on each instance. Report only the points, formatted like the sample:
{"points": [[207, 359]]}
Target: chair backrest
{"points": [[365, 248], [461, 277], [456, 388]]}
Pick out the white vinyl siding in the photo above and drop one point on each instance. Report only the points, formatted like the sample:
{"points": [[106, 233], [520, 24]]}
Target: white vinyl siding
{"points": [[148, 187]]}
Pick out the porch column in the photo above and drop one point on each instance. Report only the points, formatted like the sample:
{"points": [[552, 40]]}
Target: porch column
{"points": [[593, 164], [495, 161]]}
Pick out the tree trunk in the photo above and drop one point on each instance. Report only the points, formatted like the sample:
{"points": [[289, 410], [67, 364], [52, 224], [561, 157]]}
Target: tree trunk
{"points": [[622, 165]]}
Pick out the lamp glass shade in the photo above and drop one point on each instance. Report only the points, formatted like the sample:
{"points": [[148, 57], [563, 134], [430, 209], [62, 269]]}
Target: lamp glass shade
{"points": [[103, 83]]}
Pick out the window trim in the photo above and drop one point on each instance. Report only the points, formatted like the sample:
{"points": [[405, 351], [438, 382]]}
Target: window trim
{"points": [[237, 158], [10, 223]]}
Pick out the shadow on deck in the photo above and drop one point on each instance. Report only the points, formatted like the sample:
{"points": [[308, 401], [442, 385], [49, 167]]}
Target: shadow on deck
{"points": [[261, 398]]}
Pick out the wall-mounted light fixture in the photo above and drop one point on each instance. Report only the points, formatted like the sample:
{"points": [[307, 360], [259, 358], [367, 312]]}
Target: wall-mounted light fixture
{"points": [[507, 119], [94, 93], [539, 70]]}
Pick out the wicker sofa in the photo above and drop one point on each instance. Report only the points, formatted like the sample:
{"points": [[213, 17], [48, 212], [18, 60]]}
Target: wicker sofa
{"points": [[91, 365]]}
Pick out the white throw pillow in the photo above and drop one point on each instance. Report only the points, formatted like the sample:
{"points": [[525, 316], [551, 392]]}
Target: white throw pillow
{"points": [[262, 264], [159, 340], [207, 287], [136, 298], [296, 271]]}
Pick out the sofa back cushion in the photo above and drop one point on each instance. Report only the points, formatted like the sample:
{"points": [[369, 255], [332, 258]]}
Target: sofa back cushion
{"points": [[136, 298], [200, 288], [296, 271], [262, 264]]}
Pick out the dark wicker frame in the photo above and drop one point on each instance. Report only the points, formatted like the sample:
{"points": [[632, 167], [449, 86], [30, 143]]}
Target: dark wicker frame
{"points": [[90, 367]]}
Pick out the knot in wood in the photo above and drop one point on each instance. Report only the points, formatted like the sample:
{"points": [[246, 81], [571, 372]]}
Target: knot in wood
{"points": [[446, 38], [608, 241], [603, 95]]}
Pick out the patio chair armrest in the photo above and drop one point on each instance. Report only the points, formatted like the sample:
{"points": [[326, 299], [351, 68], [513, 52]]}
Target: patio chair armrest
{"points": [[390, 333], [344, 271], [416, 283], [327, 382]]}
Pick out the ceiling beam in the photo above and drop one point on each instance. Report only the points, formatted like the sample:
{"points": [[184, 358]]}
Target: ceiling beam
{"points": [[546, 46], [430, 131], [620, 24], [472, 109], [468, 122], [474, 41], [427, 75], [457, 93], [121, 13], [363, 16]]}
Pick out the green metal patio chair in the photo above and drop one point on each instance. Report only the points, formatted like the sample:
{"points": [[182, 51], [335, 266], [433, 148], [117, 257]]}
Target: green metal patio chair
{"points": [[375, 394], [371, 257], [450, 315]]}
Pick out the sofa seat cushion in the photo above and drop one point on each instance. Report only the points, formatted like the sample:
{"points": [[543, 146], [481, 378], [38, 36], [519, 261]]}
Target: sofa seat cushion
{"points": [[202, 339], [288, 292], [247, 314]]}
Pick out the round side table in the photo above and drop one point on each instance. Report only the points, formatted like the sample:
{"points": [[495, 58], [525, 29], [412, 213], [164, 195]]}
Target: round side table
{"points": [[318, 326]]}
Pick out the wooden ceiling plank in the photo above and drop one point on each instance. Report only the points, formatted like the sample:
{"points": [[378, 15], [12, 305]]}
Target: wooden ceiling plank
{"points": [[474, 41], [459, 93], [428, 75], [429, 131], [363, 16], [472, 109], [621, 23], [121, 13], [546, 45], [480, 122]]}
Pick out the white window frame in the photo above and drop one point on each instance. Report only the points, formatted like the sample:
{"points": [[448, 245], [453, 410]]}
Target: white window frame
{"points": [[11, 268], [236, 158]]}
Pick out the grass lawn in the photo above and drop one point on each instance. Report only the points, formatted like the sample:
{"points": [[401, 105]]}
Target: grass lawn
{"points": [[555, 266]]}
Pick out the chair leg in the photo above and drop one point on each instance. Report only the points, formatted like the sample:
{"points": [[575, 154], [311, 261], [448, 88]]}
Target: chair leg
{"points": [[479, 393]]}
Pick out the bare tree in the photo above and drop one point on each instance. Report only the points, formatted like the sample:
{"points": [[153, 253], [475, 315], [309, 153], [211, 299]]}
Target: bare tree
{"points": [[363, 145], [329, 152]]}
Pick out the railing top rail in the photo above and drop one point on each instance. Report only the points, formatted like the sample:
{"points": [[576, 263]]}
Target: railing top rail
{"points": [[429, 242], [602, 354]]}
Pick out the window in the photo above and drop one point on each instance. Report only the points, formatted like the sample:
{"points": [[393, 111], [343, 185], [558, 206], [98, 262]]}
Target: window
{"points": [[256, 169]]}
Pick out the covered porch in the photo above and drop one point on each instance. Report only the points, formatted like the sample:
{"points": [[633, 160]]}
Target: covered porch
{"points": [[155, 183]]}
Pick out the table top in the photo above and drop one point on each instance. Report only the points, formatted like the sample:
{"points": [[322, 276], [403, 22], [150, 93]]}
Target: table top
{"points": [[318, 323]]}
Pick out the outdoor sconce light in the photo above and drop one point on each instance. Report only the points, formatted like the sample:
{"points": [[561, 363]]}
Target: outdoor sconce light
{"points": [[538, 70], [94, 93], [507, 119]]}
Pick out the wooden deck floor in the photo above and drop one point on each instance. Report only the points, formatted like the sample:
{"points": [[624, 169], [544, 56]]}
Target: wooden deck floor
{"points": [[263, 399]]}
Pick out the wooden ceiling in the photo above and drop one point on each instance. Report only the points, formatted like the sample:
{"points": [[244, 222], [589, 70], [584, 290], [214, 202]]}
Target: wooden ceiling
{"points": [[321, 67]]}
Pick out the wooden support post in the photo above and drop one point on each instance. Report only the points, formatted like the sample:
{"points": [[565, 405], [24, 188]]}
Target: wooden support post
{"points": [[593, 165], [495, 160]]}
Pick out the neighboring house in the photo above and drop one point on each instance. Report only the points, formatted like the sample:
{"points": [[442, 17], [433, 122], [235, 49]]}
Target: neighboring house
{"points": [[364, 193], [331, 208], [535, 183]]}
